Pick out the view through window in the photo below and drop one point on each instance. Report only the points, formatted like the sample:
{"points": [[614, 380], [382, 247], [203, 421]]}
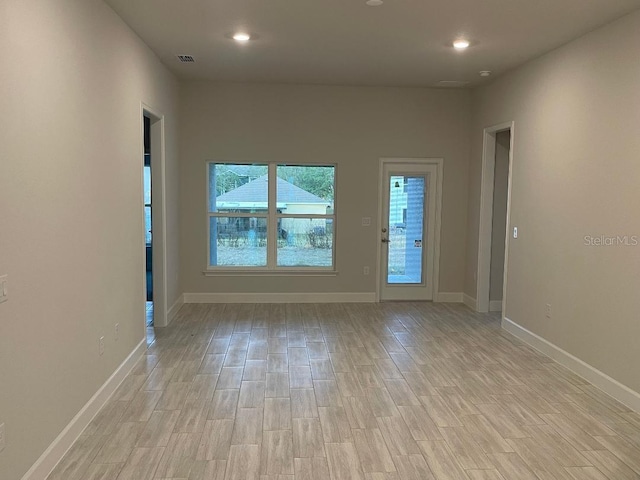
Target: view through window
{"points": [[271, 216]]}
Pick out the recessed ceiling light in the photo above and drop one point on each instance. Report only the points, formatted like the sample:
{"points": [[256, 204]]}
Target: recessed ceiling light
{"points": [[374, 3], [485, 73], [241, 37], [461, 44]]}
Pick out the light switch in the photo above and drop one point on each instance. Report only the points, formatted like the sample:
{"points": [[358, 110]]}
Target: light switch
{"points": [[515, 232], [4, 288], [366, 221]]}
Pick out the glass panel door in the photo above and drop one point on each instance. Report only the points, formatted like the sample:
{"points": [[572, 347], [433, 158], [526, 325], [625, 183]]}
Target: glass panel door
{"points": [[406, 229]]}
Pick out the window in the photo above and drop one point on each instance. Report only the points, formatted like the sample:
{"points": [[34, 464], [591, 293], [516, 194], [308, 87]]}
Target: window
{"points": [[270, 216]]}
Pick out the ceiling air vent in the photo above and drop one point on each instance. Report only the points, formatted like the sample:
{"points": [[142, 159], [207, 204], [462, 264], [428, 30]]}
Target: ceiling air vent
{"points": [[186, 59]]}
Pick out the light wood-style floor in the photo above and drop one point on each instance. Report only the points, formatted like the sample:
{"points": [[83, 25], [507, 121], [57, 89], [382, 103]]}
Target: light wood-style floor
{"points": [[396, 391]]}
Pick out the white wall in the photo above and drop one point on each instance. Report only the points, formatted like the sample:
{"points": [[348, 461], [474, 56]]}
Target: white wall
{"points": [[576, 172], [72, 80], [349, 126]]}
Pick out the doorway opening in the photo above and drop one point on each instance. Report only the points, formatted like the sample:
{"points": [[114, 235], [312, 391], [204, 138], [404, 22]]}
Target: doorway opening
{"points": [[148, 222], [154, 212], [493, 245], [408, 253]]}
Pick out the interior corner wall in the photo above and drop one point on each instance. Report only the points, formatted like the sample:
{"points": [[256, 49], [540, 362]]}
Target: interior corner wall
{"points": [[352, 127], [72, 81], [575, 183]]}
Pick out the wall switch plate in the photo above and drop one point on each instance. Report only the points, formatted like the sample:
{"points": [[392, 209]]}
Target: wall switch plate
{"points": [[366, 221], [101, 346], [4, 288], [547, 310], [365, 271], [515, 232], [117, 331], [3, 442]]}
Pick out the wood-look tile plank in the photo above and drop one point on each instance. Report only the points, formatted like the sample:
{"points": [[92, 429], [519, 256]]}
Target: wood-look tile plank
{"points": [[77, 460], [441, 460], [247, 429], [510, 465], [277, 453], [413, 467], [372, 450], [571, 432], [230, 378], [120, 443], [277, 414], [311, 468], [300, 377], [612, 466], [303, 403], [141, 464], [277, 385], [142, 406], [485, 435], [622, 449], [343, 461], [179, 455], [102, 471], [439, 411], [251, 394], [243, 463], [397, 436], [420, 423], [255, 370], [207, 470], [484, 475], [307, 438], [216, 440], [335, 425], [158, 429], [465, 448], [585, 473]]}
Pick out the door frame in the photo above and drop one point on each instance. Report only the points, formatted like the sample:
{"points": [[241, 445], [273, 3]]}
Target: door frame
{"points": [[437, 184], [485, 227], [158, 214]]}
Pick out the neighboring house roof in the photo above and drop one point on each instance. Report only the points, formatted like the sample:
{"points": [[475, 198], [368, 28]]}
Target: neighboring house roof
{"points": [[242, 170], [257, 191]]}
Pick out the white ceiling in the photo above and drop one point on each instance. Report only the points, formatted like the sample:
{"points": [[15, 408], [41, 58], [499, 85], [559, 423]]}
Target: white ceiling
{"points": [[345, 42]]}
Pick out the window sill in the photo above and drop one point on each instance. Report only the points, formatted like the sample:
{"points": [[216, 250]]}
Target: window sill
{"points": [[242, 272]]}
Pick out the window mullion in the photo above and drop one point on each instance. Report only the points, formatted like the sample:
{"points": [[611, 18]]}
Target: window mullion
{"points": [[272, 223]]}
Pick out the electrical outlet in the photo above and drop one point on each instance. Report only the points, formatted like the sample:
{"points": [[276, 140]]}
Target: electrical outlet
{"points": [[515, 232], [365, 271], [117, 331], [366, 221], [547, 310], [101, 346], [3, 441]]}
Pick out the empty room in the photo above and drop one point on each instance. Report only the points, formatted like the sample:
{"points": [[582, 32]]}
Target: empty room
{"points": [[295, 240]]}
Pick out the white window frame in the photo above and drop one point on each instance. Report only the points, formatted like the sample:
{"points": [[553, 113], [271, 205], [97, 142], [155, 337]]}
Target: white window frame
{"points": [[272, 216]]}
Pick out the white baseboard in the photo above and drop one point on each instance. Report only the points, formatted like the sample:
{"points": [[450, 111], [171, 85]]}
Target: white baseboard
{"points": [[608, 385], [173, 311], [470, 302], [495, 306], [337, 297], [449, 297], [54, 453]]}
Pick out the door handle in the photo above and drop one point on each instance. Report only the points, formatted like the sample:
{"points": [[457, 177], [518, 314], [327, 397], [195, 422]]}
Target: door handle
{"points": [[386, 240]]}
